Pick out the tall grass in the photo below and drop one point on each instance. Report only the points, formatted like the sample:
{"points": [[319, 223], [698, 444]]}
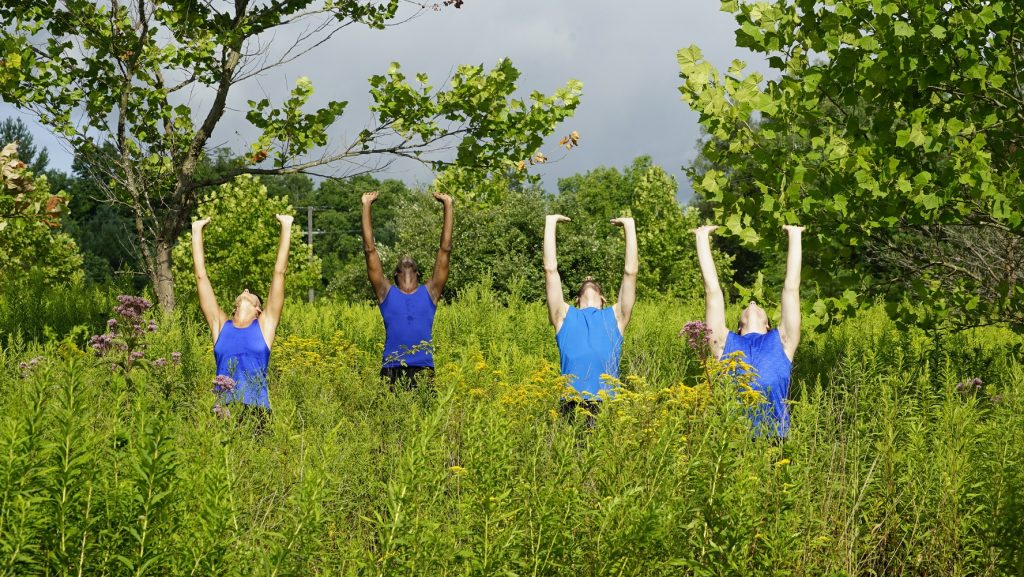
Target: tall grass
{"points": [[31, 310], [890, 470]]}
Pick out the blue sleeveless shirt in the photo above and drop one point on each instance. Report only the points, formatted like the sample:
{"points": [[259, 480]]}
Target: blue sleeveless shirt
{"points": [[589, 345], [408, 328], [765, 354], [243, 355]]}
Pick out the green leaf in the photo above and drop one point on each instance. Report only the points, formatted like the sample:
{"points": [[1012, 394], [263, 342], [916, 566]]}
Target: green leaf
{"points": [[902, 29]]}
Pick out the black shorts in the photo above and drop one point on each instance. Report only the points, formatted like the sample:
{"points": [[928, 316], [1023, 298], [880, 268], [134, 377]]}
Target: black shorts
{"points": [[408, 377], [256, 416], [567, 408]]}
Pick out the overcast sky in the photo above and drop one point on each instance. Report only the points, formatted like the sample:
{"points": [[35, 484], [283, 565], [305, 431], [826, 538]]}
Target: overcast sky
{"points": [[623, 52]]}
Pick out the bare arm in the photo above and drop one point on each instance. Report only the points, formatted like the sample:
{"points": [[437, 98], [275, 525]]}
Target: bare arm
{"points": [[215, 316], [374, 270], [714, 300], [789, 328], [627, 291], [557, 306], [437, 281], [275, 299]]}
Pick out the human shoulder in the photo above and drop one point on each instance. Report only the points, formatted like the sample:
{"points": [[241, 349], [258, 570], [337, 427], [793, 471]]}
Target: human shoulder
{"points": [[391, 288]]}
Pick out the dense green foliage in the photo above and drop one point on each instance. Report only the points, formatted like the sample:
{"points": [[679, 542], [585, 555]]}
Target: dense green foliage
{"points": [[30, 244], [647, 193], [894, 130], [33, 311], [241, 244], [890, 469]]}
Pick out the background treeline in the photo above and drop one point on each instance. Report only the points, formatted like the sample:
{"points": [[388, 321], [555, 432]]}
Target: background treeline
{"points": [[497, 241]]}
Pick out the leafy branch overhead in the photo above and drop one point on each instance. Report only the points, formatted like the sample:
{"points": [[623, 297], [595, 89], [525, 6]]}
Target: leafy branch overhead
{"points": [[139, 88], [889, 125], [476, 115]]}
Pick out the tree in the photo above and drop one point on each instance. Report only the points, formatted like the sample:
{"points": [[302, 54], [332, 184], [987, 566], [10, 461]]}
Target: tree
{"points": [[647, 193], [667, 251], [338, 219], [14, 130], [101, 230], [241, 243], [118, 76], [29, 215], [494, 243], [894, 130]]}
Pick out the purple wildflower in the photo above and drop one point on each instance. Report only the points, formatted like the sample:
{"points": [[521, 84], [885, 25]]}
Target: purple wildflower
{"points": [[960, 386], [223, 383], [221, 411], [111, 323], [698, 337], [160, 362], [136, 355], [152, 327], [176, 358], [131, 306], [102, 343], [26, 367]]}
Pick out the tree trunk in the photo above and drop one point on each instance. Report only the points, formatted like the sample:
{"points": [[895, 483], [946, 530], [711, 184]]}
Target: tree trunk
{"points": [[163, 278]]}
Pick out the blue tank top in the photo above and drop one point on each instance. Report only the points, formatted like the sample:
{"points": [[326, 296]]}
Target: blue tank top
{"points": [[243, 355], [765, 354], [589, 345], [408, 328]]}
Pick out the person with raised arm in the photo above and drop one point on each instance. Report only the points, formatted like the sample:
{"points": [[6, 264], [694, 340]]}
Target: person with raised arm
{"points": [[407, 306], [768, 351], [589, 335], [242, 340]]}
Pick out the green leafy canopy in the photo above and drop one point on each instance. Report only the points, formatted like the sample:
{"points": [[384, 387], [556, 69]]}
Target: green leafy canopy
{"points": [[241, 244], [894, 131]]}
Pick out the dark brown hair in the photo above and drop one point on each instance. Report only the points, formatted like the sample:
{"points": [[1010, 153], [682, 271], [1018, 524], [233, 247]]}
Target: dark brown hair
{"points": [[398, 269], [583, 285]]}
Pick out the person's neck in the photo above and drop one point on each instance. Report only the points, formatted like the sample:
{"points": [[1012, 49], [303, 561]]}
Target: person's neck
{"points": [[242, 320], [407, 286]]}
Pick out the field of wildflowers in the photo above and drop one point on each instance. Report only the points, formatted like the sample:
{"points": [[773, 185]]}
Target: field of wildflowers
{"points": [[906, 454]]}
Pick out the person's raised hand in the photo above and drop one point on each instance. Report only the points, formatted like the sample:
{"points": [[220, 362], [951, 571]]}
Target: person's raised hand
{"points": [[792, 228], [558, 218], [622, 221], [706, 229], [199, 224], [284, 219], [442, 198], [370, 197]]}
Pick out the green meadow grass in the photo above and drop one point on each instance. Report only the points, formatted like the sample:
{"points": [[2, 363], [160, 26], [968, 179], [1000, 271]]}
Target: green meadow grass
{"points": [[889, 469]]}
